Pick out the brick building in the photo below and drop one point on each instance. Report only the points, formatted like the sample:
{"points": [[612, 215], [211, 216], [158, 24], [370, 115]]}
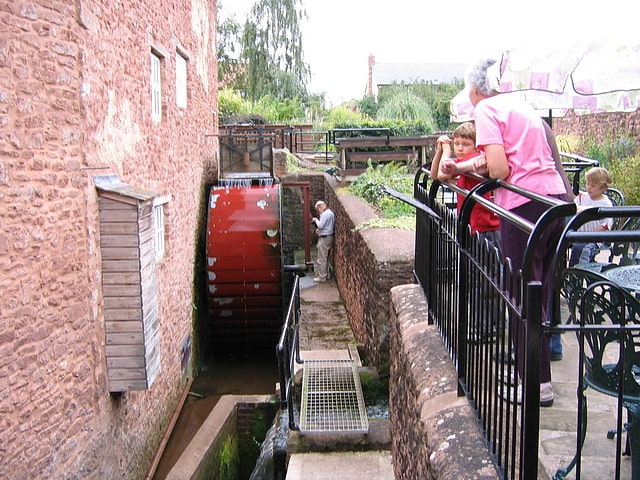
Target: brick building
{"points": [[105, 109]]}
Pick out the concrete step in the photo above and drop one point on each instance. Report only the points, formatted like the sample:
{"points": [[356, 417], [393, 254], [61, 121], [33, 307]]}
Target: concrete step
{"points": [[372, 465]]}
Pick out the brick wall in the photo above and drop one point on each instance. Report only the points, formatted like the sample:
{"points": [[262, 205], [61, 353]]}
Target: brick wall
{"points": [[74, 103], [601, 126]]}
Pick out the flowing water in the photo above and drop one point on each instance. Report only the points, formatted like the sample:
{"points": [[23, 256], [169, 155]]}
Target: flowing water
{"points": [[274, 443], [229, 376]]}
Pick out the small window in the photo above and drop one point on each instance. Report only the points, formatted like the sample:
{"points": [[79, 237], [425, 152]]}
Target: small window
{"points": [[181, 81], [159, 213], [156, 98]]}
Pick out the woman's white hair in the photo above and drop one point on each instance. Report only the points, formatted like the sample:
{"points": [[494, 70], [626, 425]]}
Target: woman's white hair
{"points": [[476, 76]]}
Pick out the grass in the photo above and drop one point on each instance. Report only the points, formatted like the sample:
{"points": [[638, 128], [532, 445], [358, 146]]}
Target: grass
{"points": [[393, 212]]}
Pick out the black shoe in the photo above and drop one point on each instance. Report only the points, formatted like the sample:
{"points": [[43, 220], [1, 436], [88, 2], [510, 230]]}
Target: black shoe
{"points": [[555, 357]]}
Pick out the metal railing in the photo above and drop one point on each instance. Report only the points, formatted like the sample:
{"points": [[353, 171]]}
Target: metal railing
{"points": [[288, 352], [311, 142], [480, 305], [337, 133]]}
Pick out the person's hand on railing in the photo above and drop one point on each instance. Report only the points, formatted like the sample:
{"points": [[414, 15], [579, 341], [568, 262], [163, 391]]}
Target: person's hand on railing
{"points": [[480, 165]]}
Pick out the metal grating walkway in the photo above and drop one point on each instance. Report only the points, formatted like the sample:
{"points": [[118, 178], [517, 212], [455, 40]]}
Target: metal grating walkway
{"points": [[332, 399]]}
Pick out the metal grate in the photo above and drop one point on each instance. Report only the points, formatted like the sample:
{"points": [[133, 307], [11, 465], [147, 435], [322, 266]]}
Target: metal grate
{"points": [[332, 399]]}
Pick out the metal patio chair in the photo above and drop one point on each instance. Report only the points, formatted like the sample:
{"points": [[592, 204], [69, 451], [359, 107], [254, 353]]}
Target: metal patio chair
{"points": [[610, 356]]}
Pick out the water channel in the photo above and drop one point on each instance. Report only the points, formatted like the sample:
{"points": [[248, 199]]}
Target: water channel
{"points": [[245, 375]]}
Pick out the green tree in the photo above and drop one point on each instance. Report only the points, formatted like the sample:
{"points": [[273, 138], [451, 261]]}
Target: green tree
{"points": [[229, 66], [400, 103], [368, 106], [272, 54]]}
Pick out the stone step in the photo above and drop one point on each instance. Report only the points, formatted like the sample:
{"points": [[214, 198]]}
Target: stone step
{"points": [[372, 465]]}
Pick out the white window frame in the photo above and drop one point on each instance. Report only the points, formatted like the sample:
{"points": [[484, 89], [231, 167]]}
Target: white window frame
{"points": [[181, 80], [156, 88], [159, 230]]}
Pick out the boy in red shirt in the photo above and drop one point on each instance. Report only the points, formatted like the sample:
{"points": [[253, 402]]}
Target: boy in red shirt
{"points": [[483, 221]]}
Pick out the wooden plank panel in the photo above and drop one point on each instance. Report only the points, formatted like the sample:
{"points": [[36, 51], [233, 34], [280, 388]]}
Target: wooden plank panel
{"points": [[126, 338], [115, 200], [118, 240], [153, 368], [148, 253], [123, 314], [149, 277], [117, 265], [151, 338], [119, 228], [150, 312], [146, 235], [125, 350], [121, 253], [145, 209], [127, 385], [127, 374], [121, 290], [128, 215], [144, 223], [122, 327], [148, 272], [120, 278], [149, 294], [126, 362], [122, 302]]}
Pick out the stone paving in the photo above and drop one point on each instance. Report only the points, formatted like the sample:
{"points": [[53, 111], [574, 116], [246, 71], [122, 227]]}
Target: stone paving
{"points": [[558, 424]]}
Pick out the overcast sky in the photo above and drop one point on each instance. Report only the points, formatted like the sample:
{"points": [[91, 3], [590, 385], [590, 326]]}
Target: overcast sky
{"points": [[339, 35]]}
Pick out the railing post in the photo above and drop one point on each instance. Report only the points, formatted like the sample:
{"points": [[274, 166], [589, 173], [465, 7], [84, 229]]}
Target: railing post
{"points": [[530, 433]]}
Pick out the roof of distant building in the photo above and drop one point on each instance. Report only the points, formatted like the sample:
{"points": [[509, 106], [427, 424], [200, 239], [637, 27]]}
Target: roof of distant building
{"points": [[409, 73]]}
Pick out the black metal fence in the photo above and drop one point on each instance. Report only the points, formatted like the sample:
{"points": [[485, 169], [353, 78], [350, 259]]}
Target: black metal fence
{"points": [[288, 352], [482, 307]]}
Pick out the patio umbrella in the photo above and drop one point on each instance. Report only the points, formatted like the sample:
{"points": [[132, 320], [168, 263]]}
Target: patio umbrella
{"points": [[587, 77]]}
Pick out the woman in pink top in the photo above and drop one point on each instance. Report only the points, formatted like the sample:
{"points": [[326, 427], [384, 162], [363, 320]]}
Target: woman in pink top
{"points": [[515, 145]]}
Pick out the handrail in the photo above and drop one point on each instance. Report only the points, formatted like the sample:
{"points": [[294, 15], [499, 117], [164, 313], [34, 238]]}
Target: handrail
{"points": [[580, 159], [288, 352], [404, 198], [470, 287]]}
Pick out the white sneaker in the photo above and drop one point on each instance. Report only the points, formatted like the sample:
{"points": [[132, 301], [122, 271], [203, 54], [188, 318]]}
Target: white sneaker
{"points": [[510, 377], [515, 394], [546, 394], [319, 280]]}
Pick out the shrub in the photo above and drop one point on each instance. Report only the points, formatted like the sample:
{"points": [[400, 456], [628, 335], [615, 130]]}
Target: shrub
{"points": [[231, 103], [568, 143], [368, 186], [626, 177], [279, 110], [608, 149]]}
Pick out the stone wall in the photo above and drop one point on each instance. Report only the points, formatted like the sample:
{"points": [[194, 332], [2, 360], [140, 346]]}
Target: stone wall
{"points": [[434, 434], [368, 262], [601, 125], [75, 103]]}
